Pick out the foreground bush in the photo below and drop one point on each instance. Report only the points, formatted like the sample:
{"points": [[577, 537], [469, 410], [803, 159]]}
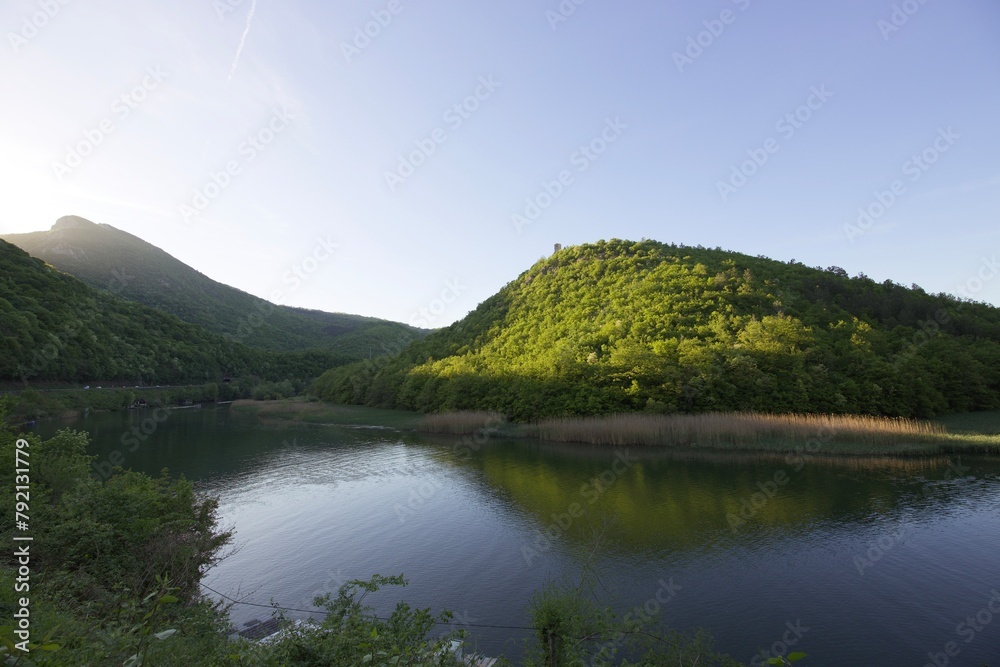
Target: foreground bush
{"points": [[113, 564], [352, 634], [572, 629]]}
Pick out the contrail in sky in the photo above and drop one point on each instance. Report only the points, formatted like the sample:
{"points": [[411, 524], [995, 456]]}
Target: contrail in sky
{"points": [[243, 40]]}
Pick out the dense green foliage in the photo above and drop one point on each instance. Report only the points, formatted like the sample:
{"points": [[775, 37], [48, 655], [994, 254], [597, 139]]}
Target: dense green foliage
{"points": [[54, 327], [110, 259], [624, 326], [352, 634], [111, 563], [30, 404]]}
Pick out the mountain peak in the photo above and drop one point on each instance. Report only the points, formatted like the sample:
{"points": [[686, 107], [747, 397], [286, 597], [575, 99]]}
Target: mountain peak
{"points": [[72, 221]]}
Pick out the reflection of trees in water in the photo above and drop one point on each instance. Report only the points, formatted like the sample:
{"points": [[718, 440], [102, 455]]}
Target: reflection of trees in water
{"points": [[689, 499]]}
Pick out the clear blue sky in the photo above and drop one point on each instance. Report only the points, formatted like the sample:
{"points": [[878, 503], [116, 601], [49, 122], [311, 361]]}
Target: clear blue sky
{"points": [[198, 79]]}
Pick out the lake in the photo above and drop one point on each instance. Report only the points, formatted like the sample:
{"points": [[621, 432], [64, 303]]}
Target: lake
{"points": [[855, 562]]}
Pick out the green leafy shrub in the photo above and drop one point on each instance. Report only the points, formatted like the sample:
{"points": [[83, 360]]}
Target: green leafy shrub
{"points": [[351, 634]]}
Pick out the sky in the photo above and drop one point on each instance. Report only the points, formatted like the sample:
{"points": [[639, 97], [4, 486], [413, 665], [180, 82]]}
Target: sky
{"points": [[407, 158]]}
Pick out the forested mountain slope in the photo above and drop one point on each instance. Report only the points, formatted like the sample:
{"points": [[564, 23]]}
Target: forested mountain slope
{"points": [[620, 325], [54, 327], [108, 258]]}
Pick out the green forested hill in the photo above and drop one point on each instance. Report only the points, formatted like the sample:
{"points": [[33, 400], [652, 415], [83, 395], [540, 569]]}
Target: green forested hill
{"points": [[54, 327], [621, 325], [110, 259]]}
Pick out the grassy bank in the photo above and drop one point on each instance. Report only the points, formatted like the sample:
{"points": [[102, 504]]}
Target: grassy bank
{"points": [[975, 423], [301, 409], [462, 423]]}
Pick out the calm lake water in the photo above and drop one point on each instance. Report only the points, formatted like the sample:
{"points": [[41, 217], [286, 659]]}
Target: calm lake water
{"points": [[880, 563]]}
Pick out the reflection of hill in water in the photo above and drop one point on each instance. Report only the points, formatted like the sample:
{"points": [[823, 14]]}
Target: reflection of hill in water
{"points": [[688, 499]]}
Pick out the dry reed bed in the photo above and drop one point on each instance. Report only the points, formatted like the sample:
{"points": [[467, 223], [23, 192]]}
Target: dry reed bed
{"points": [[734, 429]]}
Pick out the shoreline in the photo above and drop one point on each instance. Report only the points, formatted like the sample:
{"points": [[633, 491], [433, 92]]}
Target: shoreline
{"points": [[932, 442], [30, 405]]}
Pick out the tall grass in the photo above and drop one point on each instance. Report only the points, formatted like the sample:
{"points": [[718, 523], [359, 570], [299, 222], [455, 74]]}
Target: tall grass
{"points": [[738, 430], [460, 423]]}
